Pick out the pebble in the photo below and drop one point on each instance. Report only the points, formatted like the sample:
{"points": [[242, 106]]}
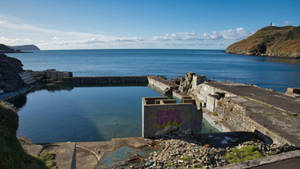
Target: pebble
{"points": [[181, 153]]}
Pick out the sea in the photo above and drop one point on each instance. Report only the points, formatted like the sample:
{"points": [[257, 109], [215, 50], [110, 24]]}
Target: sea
{"points": [[103, 113]]}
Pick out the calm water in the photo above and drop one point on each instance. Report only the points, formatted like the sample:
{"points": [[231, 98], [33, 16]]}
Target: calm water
{"points": [[84, 114], [262, 71], [102, 113]]}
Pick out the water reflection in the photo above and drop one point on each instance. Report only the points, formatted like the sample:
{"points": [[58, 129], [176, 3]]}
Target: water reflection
{"points": [[296, 62], [68, 113]]}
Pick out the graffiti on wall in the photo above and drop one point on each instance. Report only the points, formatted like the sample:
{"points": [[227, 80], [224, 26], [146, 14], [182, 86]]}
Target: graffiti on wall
{"points": [[168, 117]]}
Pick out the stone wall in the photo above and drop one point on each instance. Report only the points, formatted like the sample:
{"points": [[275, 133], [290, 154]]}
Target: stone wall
{"points": [[162, 116]]}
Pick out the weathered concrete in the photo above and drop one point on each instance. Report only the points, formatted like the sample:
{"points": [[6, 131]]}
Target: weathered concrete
{"points": [[264, 96], [65, 154], [249, 108], [32, 149], [50, 75], [162, 115], [294, 92], [289, 160], [160, 83], [107, 80], [10, 95], [27, 77]]}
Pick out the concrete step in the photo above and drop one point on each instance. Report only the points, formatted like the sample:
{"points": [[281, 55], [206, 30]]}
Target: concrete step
{"points": [[27, 77]]}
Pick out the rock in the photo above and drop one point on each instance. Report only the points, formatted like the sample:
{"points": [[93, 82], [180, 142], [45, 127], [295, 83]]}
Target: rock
{"points": [[9, 77], [185, 151], [149, 163], [188, 81]]}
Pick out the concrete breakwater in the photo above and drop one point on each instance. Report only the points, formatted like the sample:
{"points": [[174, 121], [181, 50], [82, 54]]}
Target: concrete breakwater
{"points": [[273, 116], [107, 80]]}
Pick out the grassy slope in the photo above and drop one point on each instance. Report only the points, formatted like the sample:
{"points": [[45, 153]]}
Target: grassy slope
{"points": [[12, 155], [270, 41]]}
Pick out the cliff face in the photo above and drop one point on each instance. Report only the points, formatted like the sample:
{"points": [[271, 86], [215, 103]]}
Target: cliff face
{"points": [[25, 47], [9, 69], [270, 41]]}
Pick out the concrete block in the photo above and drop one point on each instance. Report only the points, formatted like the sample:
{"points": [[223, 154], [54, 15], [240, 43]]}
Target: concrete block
{"points": [[211, 102], [162, 116], [197, 79]]}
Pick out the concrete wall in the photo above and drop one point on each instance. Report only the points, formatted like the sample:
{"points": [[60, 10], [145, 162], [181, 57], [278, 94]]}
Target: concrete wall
{"points": [[107, 80], [238, 112], [204, 94], [158, 83], [239, 117], [211, 102], [162, 116], [197, 80], [50, 75]]}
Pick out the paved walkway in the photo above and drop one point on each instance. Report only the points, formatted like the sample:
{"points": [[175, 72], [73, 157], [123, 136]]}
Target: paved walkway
{"points": [[275, 99], [293, 163], [275, 111]]}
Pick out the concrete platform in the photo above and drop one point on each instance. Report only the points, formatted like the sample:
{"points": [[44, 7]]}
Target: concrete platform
{"points": [[249, 108], [274, 99]]}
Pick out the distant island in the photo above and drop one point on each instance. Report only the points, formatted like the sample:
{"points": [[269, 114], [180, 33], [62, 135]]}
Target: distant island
{"points": [[270, 41], [7, 49], [25, 47], [17, 49]]}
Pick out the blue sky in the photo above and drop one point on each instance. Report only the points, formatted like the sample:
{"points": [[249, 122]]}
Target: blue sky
{"points": [[78, 24]]}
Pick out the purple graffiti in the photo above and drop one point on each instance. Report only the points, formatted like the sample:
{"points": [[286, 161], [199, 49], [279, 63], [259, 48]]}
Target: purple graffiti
{"points": [[165, 116]]}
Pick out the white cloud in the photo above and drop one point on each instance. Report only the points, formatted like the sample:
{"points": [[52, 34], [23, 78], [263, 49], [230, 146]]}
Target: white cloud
{"points": [[16, 32], [234, 34], [287, 23]]}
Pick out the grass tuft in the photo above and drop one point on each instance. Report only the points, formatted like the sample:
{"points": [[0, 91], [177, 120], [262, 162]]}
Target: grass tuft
{"points": [[243, 154]]}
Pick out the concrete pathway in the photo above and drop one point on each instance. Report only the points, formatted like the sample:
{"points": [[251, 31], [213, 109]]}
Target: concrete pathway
{"points": [[276, 112], [277, 100]]}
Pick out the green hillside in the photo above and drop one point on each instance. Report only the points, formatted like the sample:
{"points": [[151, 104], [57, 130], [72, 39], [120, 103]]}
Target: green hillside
{"points": [[270, 41]]}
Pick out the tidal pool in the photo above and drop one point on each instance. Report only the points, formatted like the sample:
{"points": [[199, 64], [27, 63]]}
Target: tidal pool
{"points": [[84, 114]]}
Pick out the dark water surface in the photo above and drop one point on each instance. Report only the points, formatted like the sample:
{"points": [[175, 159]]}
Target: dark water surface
{"points": [[216, 64]]}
